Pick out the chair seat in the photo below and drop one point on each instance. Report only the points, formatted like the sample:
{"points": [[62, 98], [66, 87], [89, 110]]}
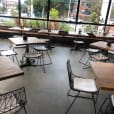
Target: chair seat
{"points": [[87, 85], [111, 52], [92, 50], [81, 85], [32, 55], [40, 48], [78, 42], [99, 57], [8, 53]]}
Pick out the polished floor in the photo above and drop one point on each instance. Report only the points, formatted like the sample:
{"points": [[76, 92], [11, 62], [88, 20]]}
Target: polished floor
{"points": [[46, 92]]}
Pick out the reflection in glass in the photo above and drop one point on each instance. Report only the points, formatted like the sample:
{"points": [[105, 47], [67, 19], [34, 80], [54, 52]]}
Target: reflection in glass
{"points": [[34, 9]]}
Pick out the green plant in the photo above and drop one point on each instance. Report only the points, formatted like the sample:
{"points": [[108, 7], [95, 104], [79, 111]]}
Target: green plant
{"points": [[9, 23], [65, 27], [94, 17], [14, 12], [54, 13], [112, 12], [36, 24], [2, 9], [90, 28]]}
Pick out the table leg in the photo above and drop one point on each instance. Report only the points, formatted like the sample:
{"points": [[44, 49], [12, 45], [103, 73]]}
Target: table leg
{"points": [[28, 62]]}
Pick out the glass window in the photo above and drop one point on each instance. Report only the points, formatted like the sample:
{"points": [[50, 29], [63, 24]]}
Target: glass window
{"points": [[90, 11], [63, 10], [93, 11], [34, 9], [93, 29], [9, 8], [61, 26], [111, 14], [35, 24], [9, 21]]}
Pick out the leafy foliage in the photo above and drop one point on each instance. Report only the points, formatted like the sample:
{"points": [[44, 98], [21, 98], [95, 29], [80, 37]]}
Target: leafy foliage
{"points": [[93, 17], [64, 27], [9, 23], [36, 24], [54, 13], [112, 12], [14, 12]]}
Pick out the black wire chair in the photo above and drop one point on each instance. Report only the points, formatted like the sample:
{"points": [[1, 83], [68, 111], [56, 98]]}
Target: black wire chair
{"points": [[93, 55], [79, 84], [43, 49], [13, 101]]}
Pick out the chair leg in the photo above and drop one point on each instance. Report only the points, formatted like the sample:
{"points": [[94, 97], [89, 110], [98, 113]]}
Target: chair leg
{"points": [[86, 62], [97, 96], [22, 61], [17, 59], [68, 92], [43, 64], [94, 102], [12, 57], [70, 105], [25, 109], [100, 109], [72, 102], [80, 61], [49, 58]]}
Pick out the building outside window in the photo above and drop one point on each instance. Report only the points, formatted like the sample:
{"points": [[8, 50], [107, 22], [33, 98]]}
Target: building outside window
{"points": [[68, 15]]}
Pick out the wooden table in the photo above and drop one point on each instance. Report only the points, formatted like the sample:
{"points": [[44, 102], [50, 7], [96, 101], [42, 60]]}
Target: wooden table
{"points": [[103, 45], [8, 69], [30, 41], [104, 74]]}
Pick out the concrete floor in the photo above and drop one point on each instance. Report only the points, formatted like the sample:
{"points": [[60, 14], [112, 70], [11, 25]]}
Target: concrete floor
{"points": [[46, 92]]}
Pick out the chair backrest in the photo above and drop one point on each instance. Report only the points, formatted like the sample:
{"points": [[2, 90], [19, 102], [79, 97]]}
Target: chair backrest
{"points": [[70, 74], [13, 101]]}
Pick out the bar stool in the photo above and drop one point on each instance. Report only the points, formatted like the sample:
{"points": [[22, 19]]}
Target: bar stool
{"points": [[77, 44], [44, 51], [32, 59]]}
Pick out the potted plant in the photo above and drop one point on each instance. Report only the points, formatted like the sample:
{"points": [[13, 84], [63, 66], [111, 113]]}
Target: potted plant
{"points": [[54, 13], [15, 14]]}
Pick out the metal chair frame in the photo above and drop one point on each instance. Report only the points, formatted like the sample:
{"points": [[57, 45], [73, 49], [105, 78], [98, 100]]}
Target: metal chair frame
{"points": [[31, 56], [71, 83], [107, 106], [42, 49], [78, 44], [95, 55], [9, 53], [13, 101]]}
